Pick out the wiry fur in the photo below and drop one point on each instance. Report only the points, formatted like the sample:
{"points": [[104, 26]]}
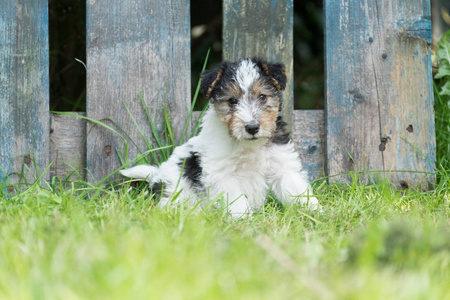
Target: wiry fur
{"points": [[228, 158]]}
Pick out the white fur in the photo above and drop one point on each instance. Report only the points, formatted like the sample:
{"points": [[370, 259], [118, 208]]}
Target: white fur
{"points": [[242, 172], [246, 74]]}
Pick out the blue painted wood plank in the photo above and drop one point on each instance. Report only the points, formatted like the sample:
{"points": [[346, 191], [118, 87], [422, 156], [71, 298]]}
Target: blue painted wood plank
{"points": [[379, 96], [262, 28], [132, 47], [24, 92], [309, 141]]}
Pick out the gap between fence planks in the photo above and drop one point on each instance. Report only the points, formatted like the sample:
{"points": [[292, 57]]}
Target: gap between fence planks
{"points": [[68, 144]]}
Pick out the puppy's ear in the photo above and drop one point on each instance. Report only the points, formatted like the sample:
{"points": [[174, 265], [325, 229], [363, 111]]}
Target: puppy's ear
{"points": [[210, 78], [278, 72], [275, 71]]}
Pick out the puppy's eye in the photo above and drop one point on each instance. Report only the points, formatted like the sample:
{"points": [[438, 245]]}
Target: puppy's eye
{"points": [[233, 101], [262, 98]]}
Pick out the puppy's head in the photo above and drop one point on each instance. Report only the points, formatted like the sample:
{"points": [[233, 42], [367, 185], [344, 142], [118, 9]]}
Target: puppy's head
{"points": [[247, 97]]}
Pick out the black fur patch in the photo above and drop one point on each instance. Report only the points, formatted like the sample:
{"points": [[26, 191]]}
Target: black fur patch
{"points": [[157, 188], [280, 136], [192, 169]]}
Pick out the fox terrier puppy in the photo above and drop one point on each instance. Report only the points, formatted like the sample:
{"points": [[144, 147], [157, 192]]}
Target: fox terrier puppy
{"points": [[243, 149]]}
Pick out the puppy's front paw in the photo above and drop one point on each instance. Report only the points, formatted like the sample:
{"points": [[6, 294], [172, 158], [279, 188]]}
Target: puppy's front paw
{"points": [[311, 203]]}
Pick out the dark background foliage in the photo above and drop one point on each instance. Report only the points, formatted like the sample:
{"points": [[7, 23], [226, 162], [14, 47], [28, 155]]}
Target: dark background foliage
{"points": [[67, 22]]}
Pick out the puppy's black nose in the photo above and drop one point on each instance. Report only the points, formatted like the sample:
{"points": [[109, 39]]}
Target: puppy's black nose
{"points": [[252, 128]]}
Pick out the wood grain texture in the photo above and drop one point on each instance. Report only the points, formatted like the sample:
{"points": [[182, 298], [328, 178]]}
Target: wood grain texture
{"points": [[379, 96], [24, 90], [309, 140], [261, 28], [132, 47], [68, 147]]}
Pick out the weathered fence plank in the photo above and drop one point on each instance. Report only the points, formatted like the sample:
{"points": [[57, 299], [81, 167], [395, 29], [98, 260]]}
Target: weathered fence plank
{"points": [[132, 47], [379, 107], [309, 141], [68, 147], [261, 28], [24, 90]]}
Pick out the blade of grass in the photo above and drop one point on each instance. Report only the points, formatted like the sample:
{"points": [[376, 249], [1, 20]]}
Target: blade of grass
{"points": [[144, 138]]}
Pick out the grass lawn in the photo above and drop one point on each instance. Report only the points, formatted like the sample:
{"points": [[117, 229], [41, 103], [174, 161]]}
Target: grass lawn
{"points": [[370, 242]]}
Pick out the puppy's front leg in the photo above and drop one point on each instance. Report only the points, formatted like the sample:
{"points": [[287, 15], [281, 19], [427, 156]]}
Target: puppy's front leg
{"points": [[293, 187]]}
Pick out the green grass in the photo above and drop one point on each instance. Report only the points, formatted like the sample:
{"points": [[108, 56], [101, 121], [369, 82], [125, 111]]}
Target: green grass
{"points": [[370, 242]]}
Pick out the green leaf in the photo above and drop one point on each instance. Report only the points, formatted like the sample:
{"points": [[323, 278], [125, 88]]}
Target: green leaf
{"points": [[443, 70], [445, 90], [443, 57], [443, 52]]}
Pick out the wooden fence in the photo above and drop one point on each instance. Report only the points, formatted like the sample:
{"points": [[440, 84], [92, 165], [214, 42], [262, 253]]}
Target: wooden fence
{"points": [[379, 98]]}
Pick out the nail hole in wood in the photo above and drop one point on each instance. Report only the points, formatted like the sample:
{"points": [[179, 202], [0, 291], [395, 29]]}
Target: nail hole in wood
{"points": [[358, 98], [384, 56], [27, 160], [108, 150], [351, 164], [384, 141], [410, 129], [404, 185], [312, 149]]}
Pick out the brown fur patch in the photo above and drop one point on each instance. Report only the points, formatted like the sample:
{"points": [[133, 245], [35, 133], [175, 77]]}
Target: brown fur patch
{"points": [[232, 90], [223, 110], [260, 87], [268, 121], [213, 84], [222, 107]]}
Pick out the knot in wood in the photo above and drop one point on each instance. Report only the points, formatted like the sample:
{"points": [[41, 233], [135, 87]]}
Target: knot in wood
{"points": [[384, 141], [27, 160], [351, 164], [312, 149], [358, 97], [108, 150], [404, 185]]}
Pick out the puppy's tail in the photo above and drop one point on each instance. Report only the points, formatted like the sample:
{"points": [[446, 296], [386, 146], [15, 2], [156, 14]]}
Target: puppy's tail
{"points": [[144, 172]]}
